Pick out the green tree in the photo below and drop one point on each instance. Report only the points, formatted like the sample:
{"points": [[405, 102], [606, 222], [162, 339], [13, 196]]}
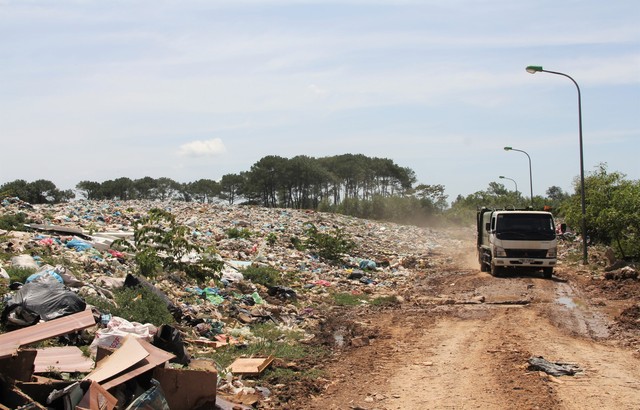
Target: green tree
{"points": [[89, 189], [231, 187], [17, 188], [612, 211], [265, 179]]}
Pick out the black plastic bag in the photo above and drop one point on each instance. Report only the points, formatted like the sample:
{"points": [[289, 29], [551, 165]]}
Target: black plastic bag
{"points": [[41, 300], [169, 339]]}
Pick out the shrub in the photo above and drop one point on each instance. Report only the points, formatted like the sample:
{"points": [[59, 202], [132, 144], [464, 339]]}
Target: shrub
{"points": [[235, 233], [137, 304], [13, 222], [329, 246], [272, 238], [160, 244], [264, 275]]}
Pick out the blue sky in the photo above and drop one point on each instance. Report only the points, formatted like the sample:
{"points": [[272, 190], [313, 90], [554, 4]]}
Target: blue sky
{"points": [[190, 89]]}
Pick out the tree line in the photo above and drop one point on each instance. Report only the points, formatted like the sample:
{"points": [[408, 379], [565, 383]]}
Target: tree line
{"points": [[373, 188]]}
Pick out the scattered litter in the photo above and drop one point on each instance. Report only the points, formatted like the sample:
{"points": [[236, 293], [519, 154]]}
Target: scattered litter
{"points": [[538, 363]]}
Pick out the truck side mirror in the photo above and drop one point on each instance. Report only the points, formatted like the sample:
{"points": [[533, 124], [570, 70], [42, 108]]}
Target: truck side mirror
{"points": [[487, 226], [563, 228]]}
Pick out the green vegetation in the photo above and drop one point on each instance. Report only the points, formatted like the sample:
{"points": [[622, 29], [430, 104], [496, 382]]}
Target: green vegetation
{"points": [[19, 274], [267, 340], [349, 299], [235, 233], [13, 222], [271, 239], [135, 305], [297, 243], [37, 192], [263, 275], [612, 211], [161, 243], [330, 246], [385, 301]]}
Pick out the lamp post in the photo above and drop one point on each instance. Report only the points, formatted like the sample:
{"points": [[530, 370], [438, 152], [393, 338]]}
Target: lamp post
{"points": [[530, 174], [514, 181], [532, 69]]}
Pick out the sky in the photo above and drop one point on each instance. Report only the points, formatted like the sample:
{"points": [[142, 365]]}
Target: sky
{"points": [[191, 89]]}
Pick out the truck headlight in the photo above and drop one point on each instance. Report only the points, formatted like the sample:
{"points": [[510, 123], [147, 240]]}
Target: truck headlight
{"points": [[552, 253], [499, 252]]}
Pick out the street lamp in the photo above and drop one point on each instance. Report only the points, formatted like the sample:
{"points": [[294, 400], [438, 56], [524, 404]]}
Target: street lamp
{"points": [[514, 181], [532, 69], [530, 174]]}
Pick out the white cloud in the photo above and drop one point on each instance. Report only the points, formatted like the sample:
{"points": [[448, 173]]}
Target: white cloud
{"points": [[208, 148]]}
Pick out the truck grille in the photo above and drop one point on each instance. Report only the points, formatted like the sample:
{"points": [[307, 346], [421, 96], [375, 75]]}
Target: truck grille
{"points": [[526, 253]]}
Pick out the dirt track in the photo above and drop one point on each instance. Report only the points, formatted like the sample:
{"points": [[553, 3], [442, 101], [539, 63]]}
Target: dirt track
{"points": [[462, 338]]}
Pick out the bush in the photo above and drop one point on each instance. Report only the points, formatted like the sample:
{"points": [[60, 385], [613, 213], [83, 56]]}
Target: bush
{"points": [[13, 222], [264, 275], [136, 304], [160, 244], [235, 233], [330, 246]]}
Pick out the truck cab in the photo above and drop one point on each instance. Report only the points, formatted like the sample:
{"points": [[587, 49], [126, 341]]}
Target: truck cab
{"points": [[516, 239]]}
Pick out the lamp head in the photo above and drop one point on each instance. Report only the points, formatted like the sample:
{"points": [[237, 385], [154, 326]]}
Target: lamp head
{"points": [[508, 148], [532, 69], [501, 177]]}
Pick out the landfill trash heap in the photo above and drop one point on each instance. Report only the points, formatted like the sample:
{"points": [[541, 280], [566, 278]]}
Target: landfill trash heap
{"points": [[72, 254]]}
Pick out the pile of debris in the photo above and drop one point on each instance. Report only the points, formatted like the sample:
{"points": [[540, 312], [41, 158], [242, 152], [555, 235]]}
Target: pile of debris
{"points": [[138, 363]]}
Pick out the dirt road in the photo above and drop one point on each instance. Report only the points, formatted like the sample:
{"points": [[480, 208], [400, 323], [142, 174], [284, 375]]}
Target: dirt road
{"points": [[461, 340]]}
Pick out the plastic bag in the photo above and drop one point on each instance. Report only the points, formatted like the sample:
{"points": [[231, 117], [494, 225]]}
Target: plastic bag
{"points": [[44, 299], [117, 329], [168, 338]]}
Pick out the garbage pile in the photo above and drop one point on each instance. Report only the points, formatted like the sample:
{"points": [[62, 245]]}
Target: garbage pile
{"points": [[71, 252]]}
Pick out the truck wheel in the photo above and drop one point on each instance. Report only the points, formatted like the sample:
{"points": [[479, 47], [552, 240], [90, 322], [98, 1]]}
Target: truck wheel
{"points": [[484, 267], [496, 270], [547, 272]]}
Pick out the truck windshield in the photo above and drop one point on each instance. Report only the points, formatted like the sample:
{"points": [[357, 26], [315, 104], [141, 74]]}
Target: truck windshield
{"points": [[525, 226]]}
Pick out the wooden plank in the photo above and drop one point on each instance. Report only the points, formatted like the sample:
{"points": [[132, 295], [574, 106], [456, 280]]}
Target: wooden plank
{"points": [[62, 359], [10, 341], [250, 365]]}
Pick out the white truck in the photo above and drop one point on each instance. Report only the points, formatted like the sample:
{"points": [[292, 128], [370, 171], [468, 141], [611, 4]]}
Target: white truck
{"points": [[516, 239]]}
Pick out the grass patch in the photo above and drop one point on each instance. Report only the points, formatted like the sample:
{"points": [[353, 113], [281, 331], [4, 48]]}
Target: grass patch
{"points": [[348, 299], [269, 340], [19, 274], [385, 301]]}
